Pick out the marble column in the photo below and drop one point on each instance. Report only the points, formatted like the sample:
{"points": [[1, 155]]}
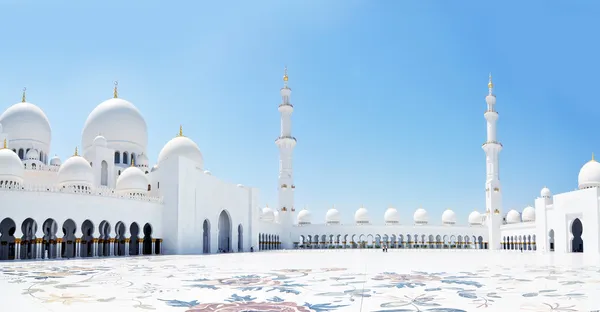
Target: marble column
{"points": [[160, 246], [127, 240], [17, 248], [152, 252], [111, 247], [38, 248], [59, 248], [140, 246], [77, 247], [94, 247]]}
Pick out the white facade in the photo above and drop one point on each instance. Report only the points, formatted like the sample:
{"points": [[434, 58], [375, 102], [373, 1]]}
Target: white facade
{"points": [[109, 201]]}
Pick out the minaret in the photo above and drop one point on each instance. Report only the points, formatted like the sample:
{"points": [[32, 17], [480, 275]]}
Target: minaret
{"points": [[493, 190], [286, 143]]}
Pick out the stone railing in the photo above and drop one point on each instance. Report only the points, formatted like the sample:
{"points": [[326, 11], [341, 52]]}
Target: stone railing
{"points": [[99, 191], [43, 168]]}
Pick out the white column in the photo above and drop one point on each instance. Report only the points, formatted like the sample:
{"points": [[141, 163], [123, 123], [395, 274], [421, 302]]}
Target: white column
{"points": [[160, 247], [17, 248], [153, 246], [38, 249], [59, 248], [140, 246], [112, 246], [77, 247], [127, 240]]}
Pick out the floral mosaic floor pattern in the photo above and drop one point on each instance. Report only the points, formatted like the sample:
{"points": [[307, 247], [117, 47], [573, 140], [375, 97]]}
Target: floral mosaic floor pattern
{"points": [[337, 280]]}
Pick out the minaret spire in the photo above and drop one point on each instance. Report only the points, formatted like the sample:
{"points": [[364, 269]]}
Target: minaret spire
{"points": [[490, 86], [286, 143]]}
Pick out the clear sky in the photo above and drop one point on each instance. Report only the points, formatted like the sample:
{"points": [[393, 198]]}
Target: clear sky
{"points": [[388, 95]]}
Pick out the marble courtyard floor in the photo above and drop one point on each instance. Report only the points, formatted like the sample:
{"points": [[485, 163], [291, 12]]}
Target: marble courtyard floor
{"points": [[313, 280]]}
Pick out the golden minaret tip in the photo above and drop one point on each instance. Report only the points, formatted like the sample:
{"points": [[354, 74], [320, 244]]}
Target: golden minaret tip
{"points": [[24, 98], [490, 83], [116, 90], [285, 76]]}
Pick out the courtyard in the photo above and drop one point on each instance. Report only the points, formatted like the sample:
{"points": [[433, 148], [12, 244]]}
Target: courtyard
{"points": [[308, 280]]}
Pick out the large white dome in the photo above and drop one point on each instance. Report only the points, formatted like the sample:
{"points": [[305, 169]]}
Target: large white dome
{"points": [[513, 216], [361, 216], [181, 146], [333, 216], [132, 181], [304, 217], [25, 122], [449, 217], [475, 218], [528, 214], [267, 214], [420, 216], [391, 216], [75, 171], [120, 122], [589, 175], [11, 167]]}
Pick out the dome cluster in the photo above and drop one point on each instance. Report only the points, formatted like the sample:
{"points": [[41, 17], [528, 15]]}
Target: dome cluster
{"points": [[527, 215]]}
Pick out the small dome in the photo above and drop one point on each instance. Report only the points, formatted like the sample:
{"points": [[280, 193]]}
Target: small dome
{"points": [[391, 216], [304, 217], [240, 185], [420, 216], [589, 175], [181, 146], [75, 171], [475, 218], [55, 161], [267, 214], [449, 217], [207, 172], [545, 193], [333, 216], [528, 214], [33, 154], [513, 216], [11, 167], [100, 141], [276, 216], [361, 216], [132, 181], [142, 160]]}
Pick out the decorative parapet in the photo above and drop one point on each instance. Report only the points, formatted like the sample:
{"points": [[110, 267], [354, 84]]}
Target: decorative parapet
{"points": [[43, 168], [99, 191]]}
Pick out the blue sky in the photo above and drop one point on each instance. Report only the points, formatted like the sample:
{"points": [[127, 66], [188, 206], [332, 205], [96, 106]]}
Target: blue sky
{"points": [[388, 95]]}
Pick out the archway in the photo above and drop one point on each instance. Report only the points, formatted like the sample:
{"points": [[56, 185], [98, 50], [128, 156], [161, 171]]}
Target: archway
{"points": [[68, 244], [577, 241], [551, 239], [147, 239], [240, 238], [28, 240], [206, 237], [104, 241], [7, 239], [86, 248], [49, 227], [224, 232], [120, 239], [134, 246]]}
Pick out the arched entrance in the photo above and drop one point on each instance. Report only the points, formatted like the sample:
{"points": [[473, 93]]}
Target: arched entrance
{"points": [[577, 241], [49, 228], [224, 232], [134, 245], [7, 239], [147, 244], [120, 239], [240, 238], [206, 237], [28, 240], [551, 239], [68, 245]]}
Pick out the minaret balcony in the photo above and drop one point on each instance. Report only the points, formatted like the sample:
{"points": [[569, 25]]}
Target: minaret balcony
{"points": [[286, 108], [287, 141], [491, 142]]}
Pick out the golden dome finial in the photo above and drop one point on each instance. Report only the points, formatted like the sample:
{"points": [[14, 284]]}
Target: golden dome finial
{"points": [[490, 83], [23, 98], [116, 90], [285, 76], [180, 131], [5, 143], [593, 159], [76, 152], [132, 161]]}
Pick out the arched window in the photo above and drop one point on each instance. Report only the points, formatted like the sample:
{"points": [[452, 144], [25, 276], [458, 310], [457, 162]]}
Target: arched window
{"points": [[21, 153], [149, 187], [33, 166], [117, 157], [119, 172], [125, 158], [104, 173], [157, 185]]}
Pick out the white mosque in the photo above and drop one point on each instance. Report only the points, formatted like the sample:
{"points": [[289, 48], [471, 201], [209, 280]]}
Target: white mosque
{"points": [[106, 199]]}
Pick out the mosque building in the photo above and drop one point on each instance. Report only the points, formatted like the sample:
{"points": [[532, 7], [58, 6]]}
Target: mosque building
{"points": [[107, 200]]}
